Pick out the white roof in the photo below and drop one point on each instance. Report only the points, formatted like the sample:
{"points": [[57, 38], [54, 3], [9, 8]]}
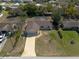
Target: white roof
{"points": [[17, 4], [38, 4], [3, 3]]}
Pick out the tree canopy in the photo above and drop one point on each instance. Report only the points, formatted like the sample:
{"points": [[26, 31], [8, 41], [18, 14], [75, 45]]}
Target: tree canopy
{"points": [[56, 17], [0, 9]]}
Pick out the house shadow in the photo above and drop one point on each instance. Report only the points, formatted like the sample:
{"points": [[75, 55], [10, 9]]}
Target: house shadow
{"points": [[74, 29], [68, 30], [29, 35]]}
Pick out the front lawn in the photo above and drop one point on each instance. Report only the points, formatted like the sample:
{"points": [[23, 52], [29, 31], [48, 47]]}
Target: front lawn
{"points": [[70, 42], [68, 45], [50, 44], [46, 47]]}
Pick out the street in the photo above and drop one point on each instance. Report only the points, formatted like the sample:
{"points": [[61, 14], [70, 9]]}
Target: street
{"points": [[2, 44]]}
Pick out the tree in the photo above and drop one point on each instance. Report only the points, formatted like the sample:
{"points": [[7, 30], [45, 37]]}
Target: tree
{"points": [[29, 9], [40, 10], [13, 13], [0, 9], [56, 18], [33, 10], [49, 8], [71, 10]]}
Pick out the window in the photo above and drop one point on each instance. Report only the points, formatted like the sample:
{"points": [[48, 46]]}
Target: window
{"points": [[42, 26]]}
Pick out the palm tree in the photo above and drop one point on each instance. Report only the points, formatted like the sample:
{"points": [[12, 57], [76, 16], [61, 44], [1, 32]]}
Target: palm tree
{"points": [[56, 18]]}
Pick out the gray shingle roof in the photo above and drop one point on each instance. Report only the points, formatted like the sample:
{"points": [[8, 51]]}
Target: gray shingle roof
{"points": [[39, 23], [70, 24]]}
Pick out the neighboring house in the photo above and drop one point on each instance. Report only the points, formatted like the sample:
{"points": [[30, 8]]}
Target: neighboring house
{"points": [[40, 18], [8, 27], [71, 24], [13, 7], [27, 0], [48, 13], [5, 27], [10, 24], [5, 0], [16, 1], [32, 27], [41, 1]]}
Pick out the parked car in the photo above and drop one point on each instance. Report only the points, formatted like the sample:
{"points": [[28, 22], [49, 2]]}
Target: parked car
{"points": [[1, 15], [7, 33]]}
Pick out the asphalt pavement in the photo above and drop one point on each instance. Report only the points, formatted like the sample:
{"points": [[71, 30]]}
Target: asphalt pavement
{"points": [[2, 44]]}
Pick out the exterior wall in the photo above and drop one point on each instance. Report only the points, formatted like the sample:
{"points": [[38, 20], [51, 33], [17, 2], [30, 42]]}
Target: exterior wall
{"points": [[69, 25], [45, 27], [30, 33]]}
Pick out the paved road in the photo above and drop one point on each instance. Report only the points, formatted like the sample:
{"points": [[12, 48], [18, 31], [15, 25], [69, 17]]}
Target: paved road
{"points": [[2, 44], [2, 19]]}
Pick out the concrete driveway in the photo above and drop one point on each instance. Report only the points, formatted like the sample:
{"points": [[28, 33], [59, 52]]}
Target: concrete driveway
{"points": [[29, 49]]}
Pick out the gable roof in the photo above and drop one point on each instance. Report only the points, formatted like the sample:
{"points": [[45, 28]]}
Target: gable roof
{"points": [[35, 24], [9, 26], [5, 27], [31, 26], [40, 18]]}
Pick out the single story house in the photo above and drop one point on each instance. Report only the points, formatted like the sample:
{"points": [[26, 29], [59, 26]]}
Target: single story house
{"points": [[70, 24], [8, 27], [27, 1], [32, 27], [5, 0], [16, 1], [48, 14], [5, 27]]}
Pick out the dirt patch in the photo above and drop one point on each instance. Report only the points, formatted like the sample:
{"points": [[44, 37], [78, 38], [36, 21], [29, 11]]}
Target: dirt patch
{"points": [[44, 47]]}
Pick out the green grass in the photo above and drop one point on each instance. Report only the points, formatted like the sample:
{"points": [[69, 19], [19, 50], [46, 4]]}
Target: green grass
{"points": [[53, 34], [63, 45], [5, 12], [55, 39], [68, 36]]}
